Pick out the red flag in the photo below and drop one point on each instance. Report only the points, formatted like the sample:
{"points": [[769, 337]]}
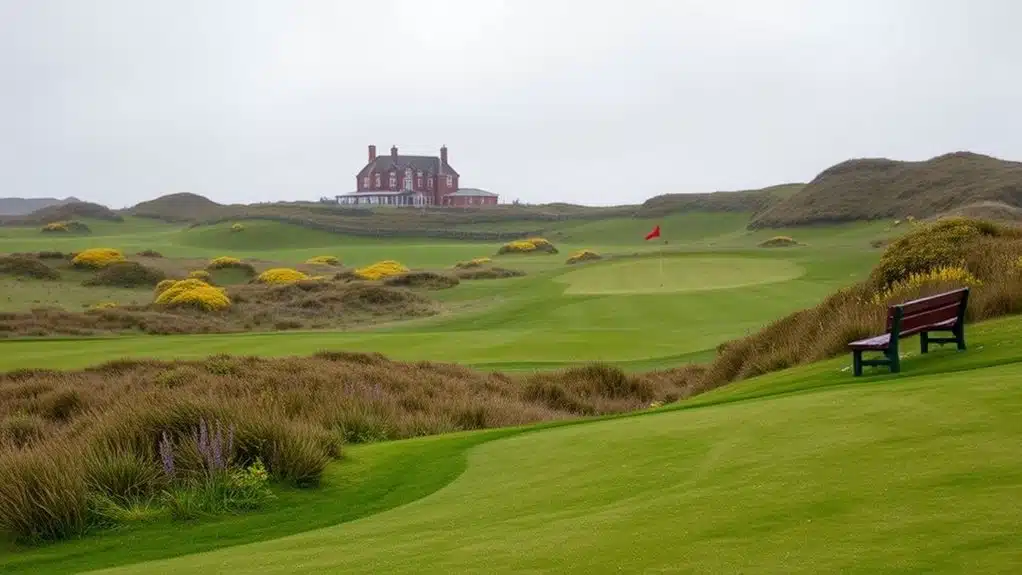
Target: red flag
{"points": [[653, 234]]}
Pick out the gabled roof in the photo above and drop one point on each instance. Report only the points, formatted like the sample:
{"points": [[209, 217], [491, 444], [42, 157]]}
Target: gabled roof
{"points": [[427, 164], [475, 192]]}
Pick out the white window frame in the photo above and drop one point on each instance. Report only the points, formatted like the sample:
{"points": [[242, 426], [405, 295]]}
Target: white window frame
{"points": [[365, 182], [392, 181], [377, 180], [450, 181]]}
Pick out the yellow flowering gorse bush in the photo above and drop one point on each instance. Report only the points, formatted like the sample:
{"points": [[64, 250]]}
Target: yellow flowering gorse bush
{"points": [[237, 227], [473, 263], [380, 270], [223, 262], [96, 258], [583, 256], [911, 285], [55, 227], [195, 293], [201, 275], [527, 246], [281, 276], [323, 260]]}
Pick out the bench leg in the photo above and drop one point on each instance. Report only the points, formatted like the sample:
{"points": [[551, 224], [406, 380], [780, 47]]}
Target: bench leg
{"points": [[960, 336], [894, 359], [924, 342], [857, 362]]}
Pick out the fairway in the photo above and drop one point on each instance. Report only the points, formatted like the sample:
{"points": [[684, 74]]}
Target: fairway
{"points": [[677, 274], [917, 475]]}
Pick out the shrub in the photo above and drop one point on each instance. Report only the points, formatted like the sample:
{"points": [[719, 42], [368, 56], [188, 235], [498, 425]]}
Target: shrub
{"points": [[530, 245], [488, 273], [194, 293], [96, 258], [946, 278], [201, 275], [28, 267], [424, 279], [324, 261], [71, 226], [281, 276], [473, 263], [380, 270], [583, 256], [227, 262], [127, 275], [778, 242], [237, 228], [164, 285], [942, 244], [149, 254]]}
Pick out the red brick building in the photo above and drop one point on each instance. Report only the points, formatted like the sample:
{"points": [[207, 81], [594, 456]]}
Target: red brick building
{"points": [[412, 181]]}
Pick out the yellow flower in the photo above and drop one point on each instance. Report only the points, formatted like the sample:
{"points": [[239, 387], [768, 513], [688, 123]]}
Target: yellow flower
{"points": [[193, 292], [97, 258], [200, 275], [381, 270], [281, 276], [323, 260], [911, 284]]}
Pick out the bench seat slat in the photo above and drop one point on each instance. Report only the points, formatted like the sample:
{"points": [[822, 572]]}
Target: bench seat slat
{"points": [[882, 342]]}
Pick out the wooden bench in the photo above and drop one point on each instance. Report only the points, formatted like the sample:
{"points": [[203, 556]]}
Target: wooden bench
{"points": [[939, 313]]}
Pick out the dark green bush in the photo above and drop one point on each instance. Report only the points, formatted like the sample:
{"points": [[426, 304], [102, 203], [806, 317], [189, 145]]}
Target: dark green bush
{"points": [[27, 267], [126, 274]]}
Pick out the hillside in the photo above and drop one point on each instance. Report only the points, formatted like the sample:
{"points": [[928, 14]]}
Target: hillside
{"points": [[750, 201], [24, 206], [62, 212], [873, 188]]}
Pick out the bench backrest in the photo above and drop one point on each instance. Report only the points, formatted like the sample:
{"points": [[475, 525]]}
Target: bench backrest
{"points": [[919, 313]]}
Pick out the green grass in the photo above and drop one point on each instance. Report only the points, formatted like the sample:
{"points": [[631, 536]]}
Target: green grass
{"points": [[670, 275], [808, 470], [616, 311]]}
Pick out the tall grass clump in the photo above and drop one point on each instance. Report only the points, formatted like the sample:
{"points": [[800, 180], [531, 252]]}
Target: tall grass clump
{"points": [[127, 275]]}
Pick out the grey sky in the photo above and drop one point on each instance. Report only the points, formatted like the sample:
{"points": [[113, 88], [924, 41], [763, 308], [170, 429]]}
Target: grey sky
{"points": [[119, 101]]}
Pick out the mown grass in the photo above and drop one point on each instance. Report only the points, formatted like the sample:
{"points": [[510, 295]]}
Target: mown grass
{"points": [[793, 460]]}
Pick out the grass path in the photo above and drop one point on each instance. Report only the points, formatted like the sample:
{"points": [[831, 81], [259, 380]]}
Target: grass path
{"points": [[915, 472]]}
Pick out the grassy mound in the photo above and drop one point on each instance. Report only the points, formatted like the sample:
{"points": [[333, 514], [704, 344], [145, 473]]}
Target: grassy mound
{"points": [[73, 211], [778, 242], [181, 207], [126, 275], [142, 428], [149, 254], [473, 263], [489, 273], [748, 201], [422, 279], [528, 246], [324, 261], [867, 189], [27, 267], [231, 263]]}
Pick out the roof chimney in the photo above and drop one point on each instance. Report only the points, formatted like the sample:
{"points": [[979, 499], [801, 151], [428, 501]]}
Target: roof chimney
{"points": [[443, 155], [393, 152], [372, 152]]}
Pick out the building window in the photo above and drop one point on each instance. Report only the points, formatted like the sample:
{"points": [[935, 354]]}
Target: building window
{"points": [[377, 180], [393, 180], [430, 182], [450, 181], [365, 182]]}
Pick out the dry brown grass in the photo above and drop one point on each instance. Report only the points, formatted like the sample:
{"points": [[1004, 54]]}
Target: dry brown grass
{"points": [[294, 414], [874, 188], [256, 307]]}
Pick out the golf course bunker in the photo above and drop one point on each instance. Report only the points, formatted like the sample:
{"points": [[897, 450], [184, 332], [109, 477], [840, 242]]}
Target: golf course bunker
{"points": [[680, 274]]}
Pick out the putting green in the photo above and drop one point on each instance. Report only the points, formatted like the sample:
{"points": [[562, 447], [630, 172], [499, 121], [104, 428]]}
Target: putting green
{"points": [[677, 274]]}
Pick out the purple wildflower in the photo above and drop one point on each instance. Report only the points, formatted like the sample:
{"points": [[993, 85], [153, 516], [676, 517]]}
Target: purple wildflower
{"points": [[167, 455]]}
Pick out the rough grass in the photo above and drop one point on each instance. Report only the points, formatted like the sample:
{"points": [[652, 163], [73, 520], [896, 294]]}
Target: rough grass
{"points": [[27, 267], [488, 273], [291, 413], [423, 279], [875, 188]]}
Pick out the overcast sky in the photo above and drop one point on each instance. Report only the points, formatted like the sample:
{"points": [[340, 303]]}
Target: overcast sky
{"points": [[598, 102]]}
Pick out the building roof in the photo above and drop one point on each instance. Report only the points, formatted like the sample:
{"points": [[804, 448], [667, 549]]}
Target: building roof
{"points": [[472, 192], [428, 164]]}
